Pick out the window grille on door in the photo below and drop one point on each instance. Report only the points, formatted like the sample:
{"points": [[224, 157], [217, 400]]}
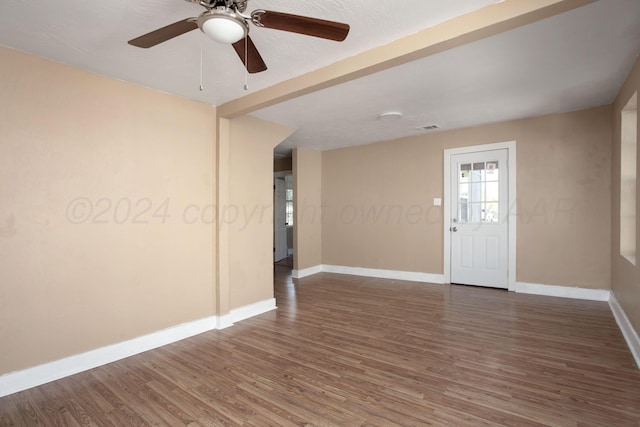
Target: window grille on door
{"points": [[478, 192]]}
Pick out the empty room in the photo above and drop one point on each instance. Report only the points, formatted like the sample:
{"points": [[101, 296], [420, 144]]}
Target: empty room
{"points": [[319, 213]]}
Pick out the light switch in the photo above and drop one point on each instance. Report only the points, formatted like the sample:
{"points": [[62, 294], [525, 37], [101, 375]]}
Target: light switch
{"points": [[437, 201]]}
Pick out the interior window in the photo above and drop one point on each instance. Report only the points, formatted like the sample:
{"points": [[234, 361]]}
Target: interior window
{"points": [[628, 178]]}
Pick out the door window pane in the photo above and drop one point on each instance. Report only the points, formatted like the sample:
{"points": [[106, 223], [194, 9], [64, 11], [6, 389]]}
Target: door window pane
{"points": [[491, 211], [478, 192], [492, 191], [464, 173], [478, 172], [476, 212]]}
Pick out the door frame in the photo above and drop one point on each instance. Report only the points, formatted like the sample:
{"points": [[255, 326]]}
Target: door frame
{"points": [[510, 146]]}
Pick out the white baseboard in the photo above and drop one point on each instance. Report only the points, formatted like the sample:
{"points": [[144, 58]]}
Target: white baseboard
{"points": [[242, 313], [21, 380], [385, 274], [369, 272], [563, 291], [224, 321], [299, 274], [626, 328], [32, 377], [521, 287]]}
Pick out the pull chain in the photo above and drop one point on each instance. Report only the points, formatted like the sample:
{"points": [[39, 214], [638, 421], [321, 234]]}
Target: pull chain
{"points": [[201, 59], [246, 62]]}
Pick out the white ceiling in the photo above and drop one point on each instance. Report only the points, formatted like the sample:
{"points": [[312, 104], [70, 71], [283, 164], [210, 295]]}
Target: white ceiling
{"points": [[569, 62], [572, 61], [93, 35]]}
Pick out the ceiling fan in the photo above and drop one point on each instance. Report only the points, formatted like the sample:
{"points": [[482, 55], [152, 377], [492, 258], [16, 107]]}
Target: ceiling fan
{"points": [[224, 21]]}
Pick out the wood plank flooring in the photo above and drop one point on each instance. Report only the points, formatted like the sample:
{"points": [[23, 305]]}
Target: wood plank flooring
{"points": [[352, 351]]}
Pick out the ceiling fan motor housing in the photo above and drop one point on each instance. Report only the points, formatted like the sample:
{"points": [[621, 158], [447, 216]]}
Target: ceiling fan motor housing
{"points": [[241, 5]]}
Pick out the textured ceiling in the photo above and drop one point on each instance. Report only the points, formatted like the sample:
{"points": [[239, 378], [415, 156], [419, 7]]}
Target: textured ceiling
{"points": [[571, 61], [93, 35], [568, 62]]}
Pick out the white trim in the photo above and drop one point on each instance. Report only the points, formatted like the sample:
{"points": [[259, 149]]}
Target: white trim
{"points": [[385, 274], [32, 377], [510, 146], [563, 291], [299, 274], [513, 213], [42, 374], [225, 321], [247, 311], [628, 332]]}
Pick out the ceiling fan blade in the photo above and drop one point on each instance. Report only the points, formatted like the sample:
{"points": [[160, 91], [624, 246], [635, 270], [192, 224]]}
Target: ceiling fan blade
{"points": [[254, 61], [165, 33], [301, 24]]}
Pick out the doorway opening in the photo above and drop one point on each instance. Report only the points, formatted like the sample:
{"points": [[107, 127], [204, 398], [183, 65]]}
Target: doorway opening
{"points": [[283, 219]]}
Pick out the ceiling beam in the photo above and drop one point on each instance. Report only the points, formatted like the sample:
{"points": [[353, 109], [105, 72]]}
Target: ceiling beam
{"points": [[483, 23]]}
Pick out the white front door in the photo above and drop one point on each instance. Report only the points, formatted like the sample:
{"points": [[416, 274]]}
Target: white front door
{"points": [[479, 227], [279, 220]]}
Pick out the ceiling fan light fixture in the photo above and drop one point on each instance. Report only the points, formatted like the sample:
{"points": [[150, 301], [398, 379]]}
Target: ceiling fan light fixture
{"points": [[223, 26]]}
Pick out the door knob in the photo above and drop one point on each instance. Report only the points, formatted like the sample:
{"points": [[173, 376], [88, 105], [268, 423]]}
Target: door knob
{"points": [[454, 229]]}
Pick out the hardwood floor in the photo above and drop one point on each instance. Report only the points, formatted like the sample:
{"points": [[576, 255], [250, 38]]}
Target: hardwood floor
{"points": [[350, 351]]}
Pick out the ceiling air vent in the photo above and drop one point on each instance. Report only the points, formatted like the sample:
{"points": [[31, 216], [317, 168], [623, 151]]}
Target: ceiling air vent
{"points": [[428, 127]]}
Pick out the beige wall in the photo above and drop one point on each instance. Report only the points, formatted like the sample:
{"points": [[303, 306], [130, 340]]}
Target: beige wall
{"points": [[75, 150], [625, 276], [378, 198], [249, 214], [307, 190]]}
